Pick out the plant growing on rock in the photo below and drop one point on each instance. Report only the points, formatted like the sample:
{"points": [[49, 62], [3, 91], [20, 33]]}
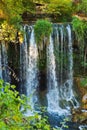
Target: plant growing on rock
{"points": [[43, 29], [80, 28]]}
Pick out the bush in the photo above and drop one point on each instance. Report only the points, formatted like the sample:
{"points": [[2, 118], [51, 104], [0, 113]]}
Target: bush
{"points": [[42, 29], [80, 28], [11, 115], [9, 33], [61, 9]]}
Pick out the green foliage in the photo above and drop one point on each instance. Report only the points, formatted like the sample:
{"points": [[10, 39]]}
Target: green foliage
{"points": [[80, 28], [42, 29], [12, 117], [8, 33], [83, 6], [11, 114], [12, 10], [84, 82], [62, 8]]}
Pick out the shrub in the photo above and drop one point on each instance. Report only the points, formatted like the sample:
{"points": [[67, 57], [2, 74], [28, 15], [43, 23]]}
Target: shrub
{"points": [[11, 115], [80, 28], [42, 29], [9, 33]]}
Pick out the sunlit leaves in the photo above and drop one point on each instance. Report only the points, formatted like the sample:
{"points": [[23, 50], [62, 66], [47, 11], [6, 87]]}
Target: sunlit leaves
{"points": [[11, 116], [8, 33], [80, 28], [13, 9], [60, 7]]}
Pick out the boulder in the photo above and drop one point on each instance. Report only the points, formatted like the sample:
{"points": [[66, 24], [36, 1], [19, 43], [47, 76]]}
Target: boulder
{"points": [[84, 99]]}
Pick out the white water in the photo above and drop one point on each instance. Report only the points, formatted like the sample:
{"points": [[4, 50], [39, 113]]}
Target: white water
{"points": [[57, 91], [52, 95], [60, 92], [83, 127], [30, 70], [68, 91], [4, 68], [66, 88]]}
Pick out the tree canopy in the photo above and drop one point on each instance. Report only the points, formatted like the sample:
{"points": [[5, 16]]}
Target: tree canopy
{"points": [[13, 9], [60, 8]]}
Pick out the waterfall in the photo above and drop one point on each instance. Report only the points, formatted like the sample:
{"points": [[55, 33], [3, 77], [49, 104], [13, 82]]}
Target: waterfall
{"points": [[32, 70], [0, 64], [67, 90], [29, 70], [23, 63], [60, 93], [61, 46], [52, 94], [4, 68]]}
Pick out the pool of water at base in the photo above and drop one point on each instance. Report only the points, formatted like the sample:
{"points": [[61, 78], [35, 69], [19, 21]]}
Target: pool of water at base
{"points": [[64, 122]]}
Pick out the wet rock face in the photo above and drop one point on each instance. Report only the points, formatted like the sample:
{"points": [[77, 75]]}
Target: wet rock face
{"points": [[79, 115]]}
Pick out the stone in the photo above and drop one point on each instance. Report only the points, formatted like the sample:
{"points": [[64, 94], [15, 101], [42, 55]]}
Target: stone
{"points": [[84, 99]]}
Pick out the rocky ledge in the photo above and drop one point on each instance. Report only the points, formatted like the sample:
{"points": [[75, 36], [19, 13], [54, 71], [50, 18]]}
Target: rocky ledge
{"points": [[79, 115]]}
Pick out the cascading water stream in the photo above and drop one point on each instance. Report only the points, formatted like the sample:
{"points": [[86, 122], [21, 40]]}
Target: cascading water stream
{"points": [[60, 94], [29, 70], [61, 66], [53, 87], [0, 64], [32, 70], [4, 68], [67, 90], [52, 95], [23, 63], [59, 84]]}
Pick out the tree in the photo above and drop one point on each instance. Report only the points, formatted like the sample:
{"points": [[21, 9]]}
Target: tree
{"points": [[83, 6], [60, 8], [13, 9]]}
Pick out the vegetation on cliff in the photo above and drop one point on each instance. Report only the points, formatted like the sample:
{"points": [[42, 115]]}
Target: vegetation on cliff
{"points": [[43, 29]]}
